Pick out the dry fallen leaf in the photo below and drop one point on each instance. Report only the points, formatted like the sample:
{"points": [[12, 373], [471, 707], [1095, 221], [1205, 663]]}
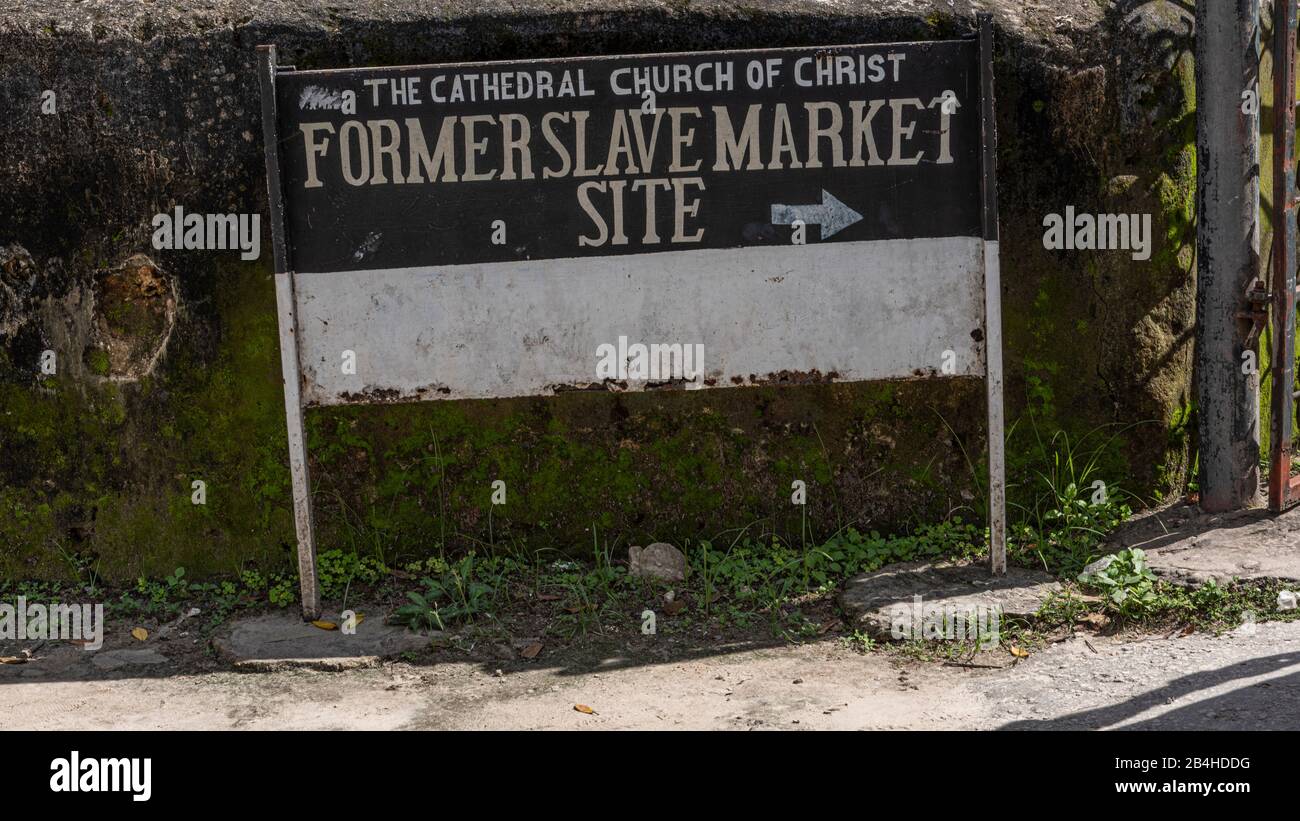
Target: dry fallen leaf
{"points": [[674, 607], [1097, 620], [582, 708], [140, 633], [548, 597], [531, 651], [325, 625], [12, 660], [1019, 652]]}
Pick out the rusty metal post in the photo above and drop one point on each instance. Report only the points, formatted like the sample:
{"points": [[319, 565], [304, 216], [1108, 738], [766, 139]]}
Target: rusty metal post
{"points": [[1227, 240], [290, 367], [1282, 363]]}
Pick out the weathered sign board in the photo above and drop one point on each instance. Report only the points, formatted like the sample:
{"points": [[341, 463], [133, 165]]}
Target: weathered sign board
{"points": [[622, 223]]}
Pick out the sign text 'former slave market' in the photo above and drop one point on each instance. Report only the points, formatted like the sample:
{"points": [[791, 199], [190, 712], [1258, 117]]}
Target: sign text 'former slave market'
{"points": [[482, 230]]}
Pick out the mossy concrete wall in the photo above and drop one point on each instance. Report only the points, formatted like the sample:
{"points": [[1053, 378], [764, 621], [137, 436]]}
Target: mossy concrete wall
{"points": [[168, 365]]}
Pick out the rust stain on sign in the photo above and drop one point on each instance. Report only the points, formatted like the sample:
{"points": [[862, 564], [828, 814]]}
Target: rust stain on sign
{"points": [[373, 395]]}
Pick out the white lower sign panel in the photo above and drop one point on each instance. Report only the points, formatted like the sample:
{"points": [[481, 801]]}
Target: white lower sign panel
{"points": [[708, 318]]}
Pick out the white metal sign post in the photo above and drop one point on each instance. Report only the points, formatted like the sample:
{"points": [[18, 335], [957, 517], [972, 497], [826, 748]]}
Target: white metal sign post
{"points": [[992, 305], [286, 307], [695, 220]]}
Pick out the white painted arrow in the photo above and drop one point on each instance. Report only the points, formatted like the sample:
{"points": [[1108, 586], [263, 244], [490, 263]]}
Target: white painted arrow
{"points": [[832, 215]]}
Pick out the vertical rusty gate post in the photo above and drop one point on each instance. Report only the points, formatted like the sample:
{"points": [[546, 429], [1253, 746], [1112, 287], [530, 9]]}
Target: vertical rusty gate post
{"points": [[1281, 491], [286, 305], [992, 305]]}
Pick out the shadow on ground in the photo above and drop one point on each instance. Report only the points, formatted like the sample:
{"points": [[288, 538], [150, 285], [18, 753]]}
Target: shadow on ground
{"points": [[1272, 703]]}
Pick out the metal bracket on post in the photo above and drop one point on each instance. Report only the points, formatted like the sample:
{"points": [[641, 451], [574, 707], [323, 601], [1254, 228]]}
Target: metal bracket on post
{"points": [[1259, 298], [992, 305], [286, 307]]}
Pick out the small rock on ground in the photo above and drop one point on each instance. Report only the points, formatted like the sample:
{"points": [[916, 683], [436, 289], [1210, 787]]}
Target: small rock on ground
{"points": [[658, 561]]}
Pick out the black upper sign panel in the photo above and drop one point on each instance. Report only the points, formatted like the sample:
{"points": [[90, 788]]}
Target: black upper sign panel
{"points": [[497, 162]]}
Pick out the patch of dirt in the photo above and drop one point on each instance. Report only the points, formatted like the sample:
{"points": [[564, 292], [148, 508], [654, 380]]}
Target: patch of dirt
{"points": [[729, 685]]}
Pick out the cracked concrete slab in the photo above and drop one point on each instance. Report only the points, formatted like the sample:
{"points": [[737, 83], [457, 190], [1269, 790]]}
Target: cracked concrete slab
{"points": [[1188, 547], [916, 592], [280, 640]]}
